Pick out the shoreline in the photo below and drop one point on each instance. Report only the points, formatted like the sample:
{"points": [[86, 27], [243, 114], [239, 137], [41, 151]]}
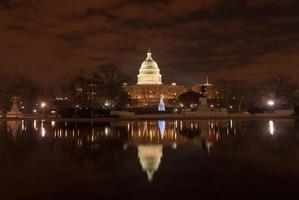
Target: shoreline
{"points": [[244, 116]]}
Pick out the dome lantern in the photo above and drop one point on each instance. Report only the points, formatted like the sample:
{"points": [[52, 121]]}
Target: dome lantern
{"points": [[149, 55]]}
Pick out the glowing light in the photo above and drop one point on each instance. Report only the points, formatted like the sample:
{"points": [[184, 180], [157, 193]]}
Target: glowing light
{"points": [[176, 123], [43, 105], [128, 126], [106, 131], [270, 103], [149, 72], [271, 127], [23, 125], [52, 123], [181, 125], [43, 130], [174, 145], [34, 124], [34, 110], [161, 124], [161, 106]]}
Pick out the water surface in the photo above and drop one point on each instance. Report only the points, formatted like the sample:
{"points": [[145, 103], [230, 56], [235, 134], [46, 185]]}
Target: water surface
{"points": [[175, 159]]}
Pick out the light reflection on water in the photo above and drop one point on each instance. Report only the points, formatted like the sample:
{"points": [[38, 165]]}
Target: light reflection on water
{"points": [[150, 138], [148, 131], [165, 132], [271, 127], [142, 134]]}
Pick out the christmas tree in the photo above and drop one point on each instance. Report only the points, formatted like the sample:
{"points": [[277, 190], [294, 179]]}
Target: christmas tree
{"points": [[161, 105]]}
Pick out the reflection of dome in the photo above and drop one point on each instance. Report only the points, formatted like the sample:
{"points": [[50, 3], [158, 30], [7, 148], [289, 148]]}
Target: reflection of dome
{"points": [[149, 72], [150, 158]]}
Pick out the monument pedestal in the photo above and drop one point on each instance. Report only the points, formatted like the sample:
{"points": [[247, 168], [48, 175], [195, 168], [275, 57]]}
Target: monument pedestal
{"points": [[203, 105], [14, 115]]}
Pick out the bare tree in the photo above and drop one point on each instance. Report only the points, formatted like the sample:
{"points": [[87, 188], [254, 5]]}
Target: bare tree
{"points": [[18, 85], [234, 93], [94, 89], [110, 80], [76, 87], [280, 88]]}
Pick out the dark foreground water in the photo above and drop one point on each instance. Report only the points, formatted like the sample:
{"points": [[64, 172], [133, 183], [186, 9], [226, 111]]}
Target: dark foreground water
{"points": [[224, 159]]}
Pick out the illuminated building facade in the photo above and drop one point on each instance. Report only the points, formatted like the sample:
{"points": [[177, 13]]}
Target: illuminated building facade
{"points": [[149, 88]]}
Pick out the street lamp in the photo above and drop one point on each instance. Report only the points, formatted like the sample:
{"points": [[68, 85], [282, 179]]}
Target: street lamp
{"points": [[43, 105], [271, 103]]}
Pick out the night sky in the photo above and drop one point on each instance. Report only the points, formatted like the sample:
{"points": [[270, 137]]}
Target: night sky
{"points": [[245, 39]]}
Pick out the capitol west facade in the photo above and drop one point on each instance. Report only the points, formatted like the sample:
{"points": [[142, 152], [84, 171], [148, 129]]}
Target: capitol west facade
{"points": [[149, 88]]}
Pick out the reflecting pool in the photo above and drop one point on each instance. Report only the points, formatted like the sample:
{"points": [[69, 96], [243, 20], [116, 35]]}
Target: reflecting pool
{"points": [[170, 159]]}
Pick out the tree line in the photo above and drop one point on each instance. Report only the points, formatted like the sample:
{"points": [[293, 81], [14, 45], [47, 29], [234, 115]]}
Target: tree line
{"points": [[103, 87], [241, 95]]}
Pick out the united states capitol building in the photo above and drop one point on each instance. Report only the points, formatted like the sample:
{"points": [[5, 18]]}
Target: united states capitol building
{"points": [[150, 88]]}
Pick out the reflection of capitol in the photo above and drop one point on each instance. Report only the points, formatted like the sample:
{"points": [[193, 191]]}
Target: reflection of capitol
{"points": [[150, 137], [170, 133], [150, 158]]}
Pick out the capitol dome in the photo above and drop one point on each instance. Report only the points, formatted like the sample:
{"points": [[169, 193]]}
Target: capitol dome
{"points": [[149, 72]]}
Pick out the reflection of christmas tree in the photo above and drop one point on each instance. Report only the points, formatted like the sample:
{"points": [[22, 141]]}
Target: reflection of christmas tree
{"points": [[161, 124], [161, 105]]}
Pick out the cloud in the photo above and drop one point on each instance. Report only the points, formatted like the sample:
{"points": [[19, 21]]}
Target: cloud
{"points": [[183, 7], [186, 37], [263, 3]]}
